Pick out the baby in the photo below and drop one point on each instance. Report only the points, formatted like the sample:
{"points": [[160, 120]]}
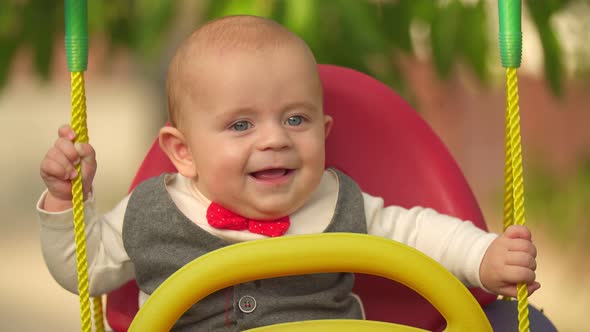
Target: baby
{"points": [[247, 138]]}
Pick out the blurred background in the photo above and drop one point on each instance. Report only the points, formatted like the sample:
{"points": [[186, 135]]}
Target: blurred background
{"points": [[442, 56]]}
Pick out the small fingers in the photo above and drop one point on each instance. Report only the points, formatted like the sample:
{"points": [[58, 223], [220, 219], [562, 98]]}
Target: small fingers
{"points": [[517, 274], [533, 287], [66, 131], [52, 169], [522, 259], [67, 148], [518, 232], [85, 151], [56, 164], [522, 245], [509, 290], [88, 157], [512, 289]]}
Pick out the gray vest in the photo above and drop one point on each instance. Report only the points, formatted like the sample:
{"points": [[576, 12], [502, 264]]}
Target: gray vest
{"points": [[160, 239]]}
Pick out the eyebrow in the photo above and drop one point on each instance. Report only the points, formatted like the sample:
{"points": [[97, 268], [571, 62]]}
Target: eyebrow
{"points": [[233, 112], [300, 104], [247, 109]]}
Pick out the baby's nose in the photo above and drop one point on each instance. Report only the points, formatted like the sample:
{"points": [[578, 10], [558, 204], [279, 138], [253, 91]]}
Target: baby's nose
{"points": [[274, 137]]}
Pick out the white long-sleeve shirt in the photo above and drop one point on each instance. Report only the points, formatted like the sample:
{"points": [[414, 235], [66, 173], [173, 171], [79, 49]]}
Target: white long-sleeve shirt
{"points": [[457, 245]]}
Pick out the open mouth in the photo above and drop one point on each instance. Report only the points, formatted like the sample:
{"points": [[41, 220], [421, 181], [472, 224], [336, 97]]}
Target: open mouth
{"points": [[271, 174]]}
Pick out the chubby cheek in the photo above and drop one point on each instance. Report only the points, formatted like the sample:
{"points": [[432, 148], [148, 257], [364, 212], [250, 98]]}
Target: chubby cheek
{"points": [[221, 174], [314, 155], [313, 158]]}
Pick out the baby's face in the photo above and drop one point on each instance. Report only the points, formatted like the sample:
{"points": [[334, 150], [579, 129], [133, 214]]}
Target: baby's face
{"points": [[255, 128]]}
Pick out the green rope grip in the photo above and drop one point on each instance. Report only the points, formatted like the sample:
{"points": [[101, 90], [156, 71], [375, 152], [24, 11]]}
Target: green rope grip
{"points": [[510, 36], [76, 34]]}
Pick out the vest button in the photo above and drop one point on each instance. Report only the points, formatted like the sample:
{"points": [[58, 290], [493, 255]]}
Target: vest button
{"points": [[247, 304]]}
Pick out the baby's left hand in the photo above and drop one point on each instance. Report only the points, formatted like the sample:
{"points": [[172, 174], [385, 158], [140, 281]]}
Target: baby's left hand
{"points": [[510, 260]]}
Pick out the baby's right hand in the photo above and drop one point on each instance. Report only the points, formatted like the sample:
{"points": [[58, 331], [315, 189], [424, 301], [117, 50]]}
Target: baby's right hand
{"points": [[58, 169]]}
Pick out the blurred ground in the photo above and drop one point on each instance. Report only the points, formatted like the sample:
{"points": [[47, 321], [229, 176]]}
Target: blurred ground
{"points": [[121, 114]]}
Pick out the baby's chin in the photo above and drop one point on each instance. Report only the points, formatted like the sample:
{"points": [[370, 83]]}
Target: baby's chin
{"points": [[267, 214], [264, 213]]}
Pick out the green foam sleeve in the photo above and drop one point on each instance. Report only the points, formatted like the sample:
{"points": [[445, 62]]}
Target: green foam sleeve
{"points": [[76, 39], [510, 36]]}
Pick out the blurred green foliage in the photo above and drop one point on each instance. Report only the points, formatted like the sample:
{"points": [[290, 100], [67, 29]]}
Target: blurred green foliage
{"points": [[562, 204], [362, 34]]}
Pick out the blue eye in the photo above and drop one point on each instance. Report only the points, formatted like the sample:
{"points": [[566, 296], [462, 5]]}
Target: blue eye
{"points": [[241, 125], [295, 120]]}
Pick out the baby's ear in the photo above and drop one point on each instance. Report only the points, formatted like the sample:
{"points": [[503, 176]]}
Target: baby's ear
{"points": [[173, 143], [328, 121]]}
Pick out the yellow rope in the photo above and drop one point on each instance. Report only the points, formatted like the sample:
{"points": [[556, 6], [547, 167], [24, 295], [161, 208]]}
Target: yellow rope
{"points": [[514, 183], [78, 123], [98, 317], [508, 177]]}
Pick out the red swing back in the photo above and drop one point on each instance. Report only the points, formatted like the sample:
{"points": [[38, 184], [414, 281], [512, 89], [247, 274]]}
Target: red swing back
{"points": [[382, 143]]}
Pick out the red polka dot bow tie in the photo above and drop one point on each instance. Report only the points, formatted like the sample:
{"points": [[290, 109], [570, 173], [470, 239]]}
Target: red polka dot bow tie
{"points": [[222, 218]]}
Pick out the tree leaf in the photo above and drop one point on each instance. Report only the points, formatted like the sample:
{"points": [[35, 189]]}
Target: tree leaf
{"points": [[395, 19], [153, 18], [552, 52], [219, 8], [553, 64], [473, 42], [41, 34], [444, 31], [120, 21], [300, 16], [7, 53]]}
